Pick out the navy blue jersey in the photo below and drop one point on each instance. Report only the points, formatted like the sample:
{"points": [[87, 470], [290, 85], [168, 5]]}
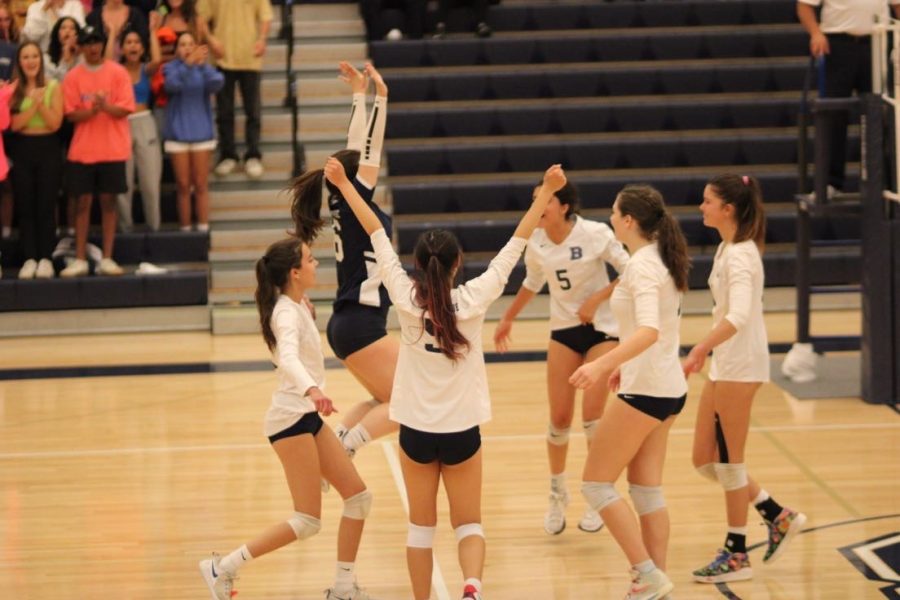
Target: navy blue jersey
{"points": [[358, 281]]}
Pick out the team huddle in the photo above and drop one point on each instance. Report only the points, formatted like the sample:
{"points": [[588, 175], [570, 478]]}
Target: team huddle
{"points": [[619, 335]]}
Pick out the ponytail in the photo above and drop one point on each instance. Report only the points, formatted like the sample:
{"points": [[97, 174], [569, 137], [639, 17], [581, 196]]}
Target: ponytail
{"points": [[744, 193], [307, 195], [673, 250], [437, 253], [271, 275]]}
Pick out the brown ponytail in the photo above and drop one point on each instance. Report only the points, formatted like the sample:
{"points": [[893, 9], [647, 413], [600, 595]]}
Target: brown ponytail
{"points": [[645, 204], [743, 192], [306, 196], [271, 275], [437, 253]]}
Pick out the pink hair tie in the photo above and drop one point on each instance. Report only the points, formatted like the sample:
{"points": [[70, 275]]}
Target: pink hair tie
{"points": [[746, 180]]}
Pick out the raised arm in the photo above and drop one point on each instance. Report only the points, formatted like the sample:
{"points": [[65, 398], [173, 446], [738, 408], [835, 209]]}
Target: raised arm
{"points": [[554, 180], [370, 157], [335, 173]]}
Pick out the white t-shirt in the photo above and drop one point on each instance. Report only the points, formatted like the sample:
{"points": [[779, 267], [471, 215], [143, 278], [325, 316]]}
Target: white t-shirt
{"points": [[855, 17], [431, 392], [736, 281], [573, 270], [647, 297], [39, 22], [300, 363]]}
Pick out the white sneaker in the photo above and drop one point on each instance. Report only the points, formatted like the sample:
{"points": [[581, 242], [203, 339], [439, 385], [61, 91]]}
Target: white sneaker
{"points": [[28, 269], [225, 167], [76, 268], [253, 168], [649, 586], [45, 269], [356, 594], [591, 522], [109, 267], [219, 583], [393, 35], [555, 518]]}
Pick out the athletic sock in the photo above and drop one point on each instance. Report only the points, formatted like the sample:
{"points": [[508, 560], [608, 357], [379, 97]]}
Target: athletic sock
{"points": [[236, 560], [648, 566], [766, 506], [736, 540], [558, 483], [344, 578], [356, 438]]}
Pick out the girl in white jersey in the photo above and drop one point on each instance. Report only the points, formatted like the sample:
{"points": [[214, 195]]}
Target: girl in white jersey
{"points": [[306, 446], [646, 371], [570, 254], [740, 365], [440, 395]]}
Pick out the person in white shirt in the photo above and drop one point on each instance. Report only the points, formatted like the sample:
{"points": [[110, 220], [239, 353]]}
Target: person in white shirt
{"points": [[43, 15], [307, 448], [440, 395], [645, 370], [733, 206], [570, 255]]}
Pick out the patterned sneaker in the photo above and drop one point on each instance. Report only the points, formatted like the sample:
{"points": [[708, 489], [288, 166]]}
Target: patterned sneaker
{"points": [[727, 566], [357, 594], [555, 518], [470, 593], [591, 522], [220, 584], [654, 585], [785, 527]]}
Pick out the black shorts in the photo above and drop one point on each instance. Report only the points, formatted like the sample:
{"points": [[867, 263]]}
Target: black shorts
{"points": [[446, 448], [309, 423], [655, 406], [354, 327], [95, 178], [580, 338]]}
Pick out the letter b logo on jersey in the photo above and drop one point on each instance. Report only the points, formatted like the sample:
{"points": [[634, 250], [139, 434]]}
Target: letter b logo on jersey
{"points": [[576, 252]]}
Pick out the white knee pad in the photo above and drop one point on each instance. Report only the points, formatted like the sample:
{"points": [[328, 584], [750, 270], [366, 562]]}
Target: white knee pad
{"points": [[599, 494], [420, 536], [304, 525], [708, 471], [590, 428], [646, 499], [464, 531], [732, 477], [557, 437], [358, 506]]}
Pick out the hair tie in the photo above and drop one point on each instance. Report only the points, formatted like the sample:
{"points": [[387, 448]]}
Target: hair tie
{"points": [[746, 180]]}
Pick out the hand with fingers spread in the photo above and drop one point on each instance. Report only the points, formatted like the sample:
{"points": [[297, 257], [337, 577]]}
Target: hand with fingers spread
{"points": [[356, 79], [381, 88]]}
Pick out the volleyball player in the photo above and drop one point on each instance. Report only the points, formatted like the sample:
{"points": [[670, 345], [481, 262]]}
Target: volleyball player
{"points": [[570, 254], [440, 395], [305, 445], [357, 329], [740, 365], [645, 369]]}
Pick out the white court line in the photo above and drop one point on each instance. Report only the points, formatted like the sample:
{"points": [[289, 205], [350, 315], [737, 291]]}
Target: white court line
{"points": [[437, 578], [493, 438]]}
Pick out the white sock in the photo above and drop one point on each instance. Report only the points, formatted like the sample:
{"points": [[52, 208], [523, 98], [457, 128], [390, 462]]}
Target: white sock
{"points": [[761, 497], [202, 226], [558, 483], [344, 578], [473, 582], [236, 560], [7, 231], [648, 566], [738, 531], [341, 430], [356, 438], [184, 228]]}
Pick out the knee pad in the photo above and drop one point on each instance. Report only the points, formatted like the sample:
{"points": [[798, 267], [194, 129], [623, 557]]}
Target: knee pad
{"points": [[358, 506], [646, 499], [708, 471], [420, 536], [590, 428], [599, 494], [732, 477], [557, 437], [304, 525], [464, 531]]}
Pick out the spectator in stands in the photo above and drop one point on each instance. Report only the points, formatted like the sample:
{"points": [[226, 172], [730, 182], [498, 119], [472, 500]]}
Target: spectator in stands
{"points": [[19, 9], [242, 29], [188, 131], [62, 53], [113, 18], [9, 41], [181, 16], [98, 98], [146, 154], [479, 12], [394, 19], [44, 14], [145, 6], [843, 38], [36, 153]]}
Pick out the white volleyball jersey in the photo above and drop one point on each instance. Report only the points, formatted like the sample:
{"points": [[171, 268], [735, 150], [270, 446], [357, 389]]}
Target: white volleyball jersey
{"points": [[299, 361], [573, 270], [647, 297], [431, 392], [737, 280]]}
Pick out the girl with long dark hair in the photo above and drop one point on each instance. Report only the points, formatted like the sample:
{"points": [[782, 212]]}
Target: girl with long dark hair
{"points": [[62, 53]]}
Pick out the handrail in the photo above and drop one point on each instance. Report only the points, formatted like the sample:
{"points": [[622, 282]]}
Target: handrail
{"points": [[298, 154]]}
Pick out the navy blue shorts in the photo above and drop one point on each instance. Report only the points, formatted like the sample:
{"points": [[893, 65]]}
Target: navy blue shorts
{"points": [[354, 327], [446, 448], [655, 406], [580, 338], [309, 423]]}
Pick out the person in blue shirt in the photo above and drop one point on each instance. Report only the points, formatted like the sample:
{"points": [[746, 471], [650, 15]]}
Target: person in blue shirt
{"points": [[188, 131]]}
